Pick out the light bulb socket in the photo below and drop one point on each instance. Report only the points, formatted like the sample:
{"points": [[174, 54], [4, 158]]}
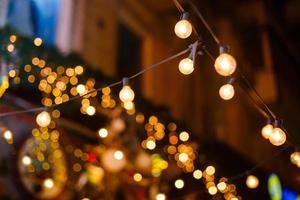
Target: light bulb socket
{"points": [[125, 81], [269, 121], [193, 50], [224, 48], [231, 80], [185, 15], [278, 123]]}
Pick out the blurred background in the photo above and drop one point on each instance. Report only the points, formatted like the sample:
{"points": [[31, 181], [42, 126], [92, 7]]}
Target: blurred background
{"points": [[116, 38]]}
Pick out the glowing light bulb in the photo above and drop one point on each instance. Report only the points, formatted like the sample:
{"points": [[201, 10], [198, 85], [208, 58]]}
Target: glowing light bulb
{"points": [[160, 196], [48, 183], [221, 186], [26, 160], [184, 136], [225, 64], [267, 130], [212, 190], [126, 94], [150, 144], [90, 110], [80, 89], [43, 119], [38, 42], [137, 177], [103, 132], [226, 92], [129, 105], [295, 157], [197, 174], [179, 183], [210, 170], [252, 182], [118, 155], [186, 66], [7, 135], [278, 137], [183, 157], [183, 28]]}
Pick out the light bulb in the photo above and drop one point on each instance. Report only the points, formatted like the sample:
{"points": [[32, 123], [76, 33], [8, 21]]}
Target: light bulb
{"points": [[48, 183], [150, 144], [103, 133], [90, 110], [184, 136], [179, 183], [137, 177], [183, 28], [295, 157], [81, 89], [221, 186], [26, 160], [277, 137], [186, 66], [252, 182], [212, 190], [267, 130], [210, 170], [7, 135], [225, 64], [183, 157], [118, 155], [43, 119], [126, 94], [160, 196], [226, 92], [197, 174]]}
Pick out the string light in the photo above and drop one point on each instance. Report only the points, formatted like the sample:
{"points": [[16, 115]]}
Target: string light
{"points": [[212, 190], [295, 158], [183, 157], [118, 155], [90, 110], [267, 130], [278, 136], [43, 119], [179, 183], [48, 183], [183, 28], [210, 170], [252, 182], [137, 177], [81, 89], [225, 64], [26, 160], [126, 94], [186, 65], [160, 196], [197, 174], [221, 186], [227, 91], [38, 42], [103, 133]]}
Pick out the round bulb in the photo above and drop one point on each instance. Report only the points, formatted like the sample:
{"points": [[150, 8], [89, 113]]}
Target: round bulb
{"points": [[225, 64], [295, 158], [186, 66], [90, 110], [26, 160], [118, 155], [48, 183], [267, 130], [137, 177], [126, 94], [222, 186], [277, 137], [183, 29], [103, 133], [212, 190], [252, 182], [210, 170], [183, 157], [8, 135], [179, 183], [226, 92], [160, 196], [197, 174], [43, 119]]}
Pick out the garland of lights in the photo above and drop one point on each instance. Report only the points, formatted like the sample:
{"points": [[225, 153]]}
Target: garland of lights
{"points": [[225, 65]]}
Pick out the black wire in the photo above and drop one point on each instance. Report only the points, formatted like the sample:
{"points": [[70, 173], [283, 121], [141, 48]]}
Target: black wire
{"points": [[178, 6], [99, 89], [203, 20]]}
